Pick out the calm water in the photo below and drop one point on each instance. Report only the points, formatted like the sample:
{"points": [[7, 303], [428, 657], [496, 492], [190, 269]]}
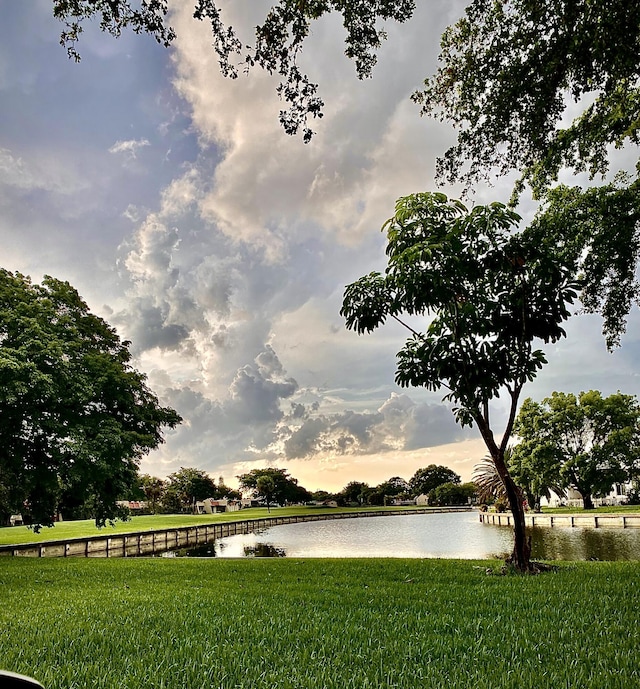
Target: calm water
{"points": [[432, 535]]}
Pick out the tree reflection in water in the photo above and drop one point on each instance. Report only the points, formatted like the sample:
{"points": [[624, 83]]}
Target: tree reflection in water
{"points": [[263, 550]]}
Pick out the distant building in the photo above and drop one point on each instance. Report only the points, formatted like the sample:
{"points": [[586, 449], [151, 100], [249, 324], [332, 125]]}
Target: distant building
{"points": [[133, 505], [618, 495], [422, 500], [213, 506], [403, 503]]}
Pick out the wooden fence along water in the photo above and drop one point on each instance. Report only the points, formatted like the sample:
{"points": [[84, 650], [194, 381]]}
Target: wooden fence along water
{"points": [[594, 521], [156, 542]]}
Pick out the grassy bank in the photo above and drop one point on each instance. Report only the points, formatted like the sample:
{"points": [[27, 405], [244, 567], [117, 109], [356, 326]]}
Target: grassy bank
{"points": [[262, 624], [612, 509], [81, 529]]}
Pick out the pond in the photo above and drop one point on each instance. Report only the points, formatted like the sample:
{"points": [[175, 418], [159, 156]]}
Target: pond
{"points": [[444, 535]]}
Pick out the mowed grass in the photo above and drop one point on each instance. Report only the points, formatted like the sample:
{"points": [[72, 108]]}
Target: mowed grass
{"points": [[611, 509], [14, 535], [258, 624]]}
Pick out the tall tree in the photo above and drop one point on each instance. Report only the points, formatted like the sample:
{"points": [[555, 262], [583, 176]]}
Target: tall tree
{"points": [[428, 478], [286, 488], [594, 440], [191, 485], [488, 291], [75, 416]]}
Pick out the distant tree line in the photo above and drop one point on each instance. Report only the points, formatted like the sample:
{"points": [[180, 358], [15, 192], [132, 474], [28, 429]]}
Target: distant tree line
{"points": [[439, 484], [586, 442], [180, 491]]}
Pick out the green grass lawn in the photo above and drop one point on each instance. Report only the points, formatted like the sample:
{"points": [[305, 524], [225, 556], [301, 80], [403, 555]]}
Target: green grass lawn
{"points": [[310, 624], [615, 509], [78, 529]]}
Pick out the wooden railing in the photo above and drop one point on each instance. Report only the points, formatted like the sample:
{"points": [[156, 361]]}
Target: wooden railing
{"points": [[594, 521]]}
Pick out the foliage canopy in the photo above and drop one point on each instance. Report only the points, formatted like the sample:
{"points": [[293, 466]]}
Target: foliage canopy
{"points": [[75, 416], [508, 70], [588, 441], [278, 40], [487, 292], [490, 292]]}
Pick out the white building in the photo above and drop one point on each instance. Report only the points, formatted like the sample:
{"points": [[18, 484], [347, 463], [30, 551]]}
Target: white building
{"points": [[616, 496], [212, 506]]}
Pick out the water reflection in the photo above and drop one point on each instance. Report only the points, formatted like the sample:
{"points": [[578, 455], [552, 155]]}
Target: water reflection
{"points": [[578, 543], [434, 535], [446, 535], [431, 535]]}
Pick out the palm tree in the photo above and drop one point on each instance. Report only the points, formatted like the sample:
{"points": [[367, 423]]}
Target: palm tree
{"points": [[487, 479]]}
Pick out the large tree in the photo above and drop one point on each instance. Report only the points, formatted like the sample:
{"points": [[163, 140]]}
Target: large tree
{"points": [[594, 441], [75, 416], [430, 477], [285, 488], [191, 485], [487, 292]]}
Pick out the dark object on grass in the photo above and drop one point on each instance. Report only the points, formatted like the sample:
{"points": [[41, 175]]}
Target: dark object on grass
{"points": [[10, 680]]}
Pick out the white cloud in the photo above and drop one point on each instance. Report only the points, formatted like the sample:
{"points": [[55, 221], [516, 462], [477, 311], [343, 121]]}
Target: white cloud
{"points": [[224, 259], [130, 147]]}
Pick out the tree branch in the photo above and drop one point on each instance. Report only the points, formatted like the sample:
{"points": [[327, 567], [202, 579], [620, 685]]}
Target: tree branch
{"points": [[408, 327]]}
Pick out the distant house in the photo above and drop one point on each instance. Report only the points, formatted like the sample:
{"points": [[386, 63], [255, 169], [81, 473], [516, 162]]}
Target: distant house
{"points": [[618, 495], [213, 506], [403, 503], [133, 505], [422, 500]]}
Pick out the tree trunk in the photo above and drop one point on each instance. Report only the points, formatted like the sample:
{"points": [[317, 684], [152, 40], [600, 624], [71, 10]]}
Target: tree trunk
{"points": [[587, 501], [521, 555]]}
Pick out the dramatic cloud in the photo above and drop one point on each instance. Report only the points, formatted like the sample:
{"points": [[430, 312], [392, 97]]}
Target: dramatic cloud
{"points": [[171, 198]]}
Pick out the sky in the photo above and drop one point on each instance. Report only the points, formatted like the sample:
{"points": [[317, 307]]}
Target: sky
{"points": [[172, 200]]}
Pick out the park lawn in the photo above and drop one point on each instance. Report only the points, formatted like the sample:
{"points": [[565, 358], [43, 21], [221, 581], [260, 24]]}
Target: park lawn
{"points": [[308, 624], [15, 535], [612, 509]]}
